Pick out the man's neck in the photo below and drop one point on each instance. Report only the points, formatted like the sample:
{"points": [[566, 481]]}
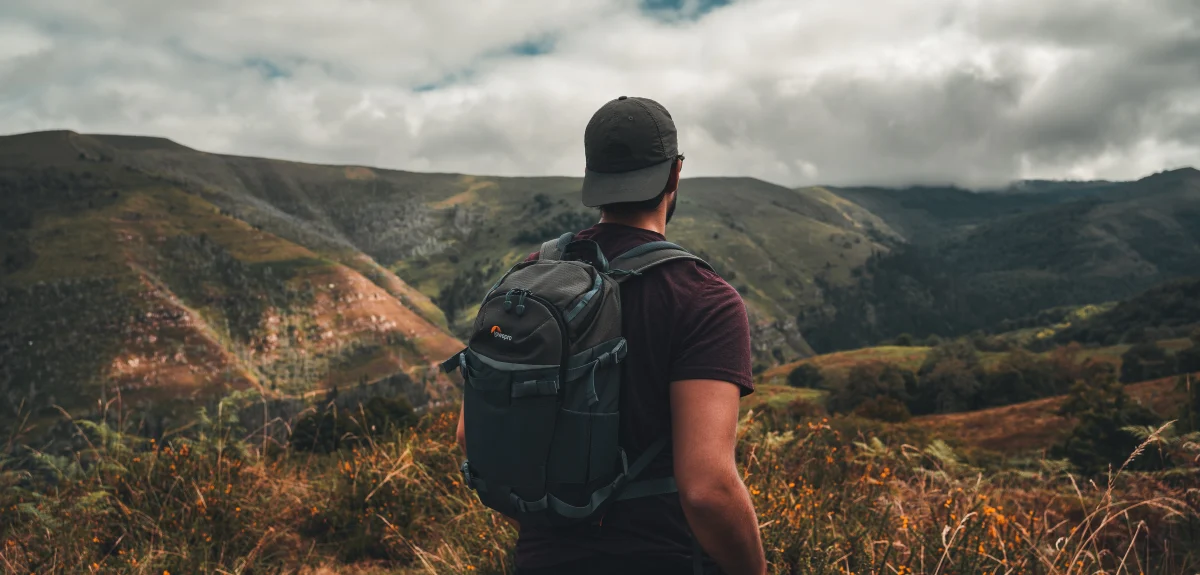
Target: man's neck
{"points": [[653, 222]]}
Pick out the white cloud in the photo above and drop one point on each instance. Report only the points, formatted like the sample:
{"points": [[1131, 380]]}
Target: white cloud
{"points": [[825, 91]]}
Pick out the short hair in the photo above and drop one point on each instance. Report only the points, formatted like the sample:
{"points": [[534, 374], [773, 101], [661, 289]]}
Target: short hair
{"points": [[633, 208]]}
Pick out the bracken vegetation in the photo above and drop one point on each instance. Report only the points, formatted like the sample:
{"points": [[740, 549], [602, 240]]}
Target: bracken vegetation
{"points": [[992, 433], [835, 495]]}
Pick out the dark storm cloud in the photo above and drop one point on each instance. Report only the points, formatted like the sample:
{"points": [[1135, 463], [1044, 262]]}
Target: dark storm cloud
{"points": [[885, 92]]}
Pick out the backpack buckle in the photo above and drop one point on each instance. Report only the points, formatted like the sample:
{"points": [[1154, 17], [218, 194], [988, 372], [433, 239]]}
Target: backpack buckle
{"points": [[468, 479]]}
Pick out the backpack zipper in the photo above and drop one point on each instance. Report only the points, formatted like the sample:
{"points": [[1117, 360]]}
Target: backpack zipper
{"points": [[566, 338], [558, 318]]}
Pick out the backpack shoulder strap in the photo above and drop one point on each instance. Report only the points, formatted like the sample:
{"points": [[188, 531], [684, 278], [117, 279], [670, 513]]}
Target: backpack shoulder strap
{"points": [[638, 260], [553, 249]]}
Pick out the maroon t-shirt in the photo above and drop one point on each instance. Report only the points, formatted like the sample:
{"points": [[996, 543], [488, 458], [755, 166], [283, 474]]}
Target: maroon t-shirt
{"points": [[682, 322]]}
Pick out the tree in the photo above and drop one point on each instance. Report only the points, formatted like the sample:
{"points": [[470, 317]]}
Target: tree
{"points": [[1145, 361], [1021, 376], [904, 340], [1102, 411], [951, 386], [868, 380], [806, 375], [1189, 412], [960, 350], [1066, 365], [1189, 359]]}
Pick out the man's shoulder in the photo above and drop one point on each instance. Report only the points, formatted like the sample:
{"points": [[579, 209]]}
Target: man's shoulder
{"points": [[696, 282]]}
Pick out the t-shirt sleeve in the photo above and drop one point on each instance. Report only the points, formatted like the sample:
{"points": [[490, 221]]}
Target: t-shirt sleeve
{"points": [[712, 333]]}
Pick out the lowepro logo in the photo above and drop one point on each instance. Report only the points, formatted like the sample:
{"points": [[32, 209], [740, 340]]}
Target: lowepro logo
{"points": [[497, 333]]}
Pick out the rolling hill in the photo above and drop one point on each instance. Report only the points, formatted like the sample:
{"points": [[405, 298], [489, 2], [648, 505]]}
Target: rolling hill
{"points": [[1035, 425], [138, 265], [970, 260], [119, 284]]}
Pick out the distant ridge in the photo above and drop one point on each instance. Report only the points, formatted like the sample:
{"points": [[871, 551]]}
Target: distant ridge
{"points": [[137, 143], [131, 142], [808, 261]]}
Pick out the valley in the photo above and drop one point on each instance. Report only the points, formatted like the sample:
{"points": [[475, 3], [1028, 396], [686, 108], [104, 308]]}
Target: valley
{"points": [[928, 360], [138, 266]]}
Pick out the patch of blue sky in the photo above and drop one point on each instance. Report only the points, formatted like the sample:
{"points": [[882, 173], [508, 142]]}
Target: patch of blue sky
{"points": [[681, 9], [269, 70], [533, 47], [529, 48]]}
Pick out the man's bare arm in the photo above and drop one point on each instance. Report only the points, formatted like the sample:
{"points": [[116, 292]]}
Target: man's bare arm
{"points": [[704, 416], [461, 434]]}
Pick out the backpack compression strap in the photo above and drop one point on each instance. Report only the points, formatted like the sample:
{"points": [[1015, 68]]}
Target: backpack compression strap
{"points": [[624, 487], [553, 249], [636, 261]]}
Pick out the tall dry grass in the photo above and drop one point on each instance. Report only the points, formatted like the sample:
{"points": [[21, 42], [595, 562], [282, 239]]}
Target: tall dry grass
{"points": [[829, 502]]}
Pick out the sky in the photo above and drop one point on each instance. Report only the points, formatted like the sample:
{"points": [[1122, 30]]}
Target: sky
{"points": [[797, 92]]}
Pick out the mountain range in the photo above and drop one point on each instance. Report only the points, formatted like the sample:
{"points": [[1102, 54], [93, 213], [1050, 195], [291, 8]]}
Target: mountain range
{"points": [[138, 268]]}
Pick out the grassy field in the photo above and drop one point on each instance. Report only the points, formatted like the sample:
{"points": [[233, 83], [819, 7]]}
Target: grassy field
{"points": [[773, 396], [1035, 425], [1013, 429], [834, 495], [838, 364]]}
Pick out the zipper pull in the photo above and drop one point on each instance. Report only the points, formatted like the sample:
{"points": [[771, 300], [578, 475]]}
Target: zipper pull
{"points": [[521, 302], [508, 300]]}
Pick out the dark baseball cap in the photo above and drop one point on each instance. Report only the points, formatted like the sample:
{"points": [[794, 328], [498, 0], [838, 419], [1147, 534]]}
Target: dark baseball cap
{"points": [[630, 145]]}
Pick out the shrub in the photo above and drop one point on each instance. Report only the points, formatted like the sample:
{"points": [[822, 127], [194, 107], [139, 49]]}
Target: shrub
{"points": [[949, 387], [1146, 361], [1104, 411], [1189, 358], [330, 428], [883, 408], [868, 380], [806, 375], [1021, 376]]}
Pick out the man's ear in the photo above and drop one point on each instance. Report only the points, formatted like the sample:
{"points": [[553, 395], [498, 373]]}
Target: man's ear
{"points": [[673, 180]]}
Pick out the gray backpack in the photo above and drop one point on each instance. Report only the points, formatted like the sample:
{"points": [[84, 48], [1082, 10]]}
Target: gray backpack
{"points": [[542, 384]]}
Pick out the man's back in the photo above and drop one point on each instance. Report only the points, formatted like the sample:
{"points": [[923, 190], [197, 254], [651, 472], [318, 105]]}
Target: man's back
{"points": [[682, 322]]}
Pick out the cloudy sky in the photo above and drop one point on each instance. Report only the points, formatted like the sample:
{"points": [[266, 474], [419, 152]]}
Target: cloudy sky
{"points": [[976, 92]]}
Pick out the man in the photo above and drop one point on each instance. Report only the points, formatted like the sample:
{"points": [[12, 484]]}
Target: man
{"points": [[688, 364]]}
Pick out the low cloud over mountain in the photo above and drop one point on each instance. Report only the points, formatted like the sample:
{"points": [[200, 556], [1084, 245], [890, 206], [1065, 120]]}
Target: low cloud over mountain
{"points": [[870, 92]]}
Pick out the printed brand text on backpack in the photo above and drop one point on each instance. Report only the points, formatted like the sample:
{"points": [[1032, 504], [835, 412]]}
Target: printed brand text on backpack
{"points": [[542, 383]]}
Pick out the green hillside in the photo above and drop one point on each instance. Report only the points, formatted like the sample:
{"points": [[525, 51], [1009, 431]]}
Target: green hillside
{"points": [[117, 284], [449, 235], [975, 260], [138, 265]]}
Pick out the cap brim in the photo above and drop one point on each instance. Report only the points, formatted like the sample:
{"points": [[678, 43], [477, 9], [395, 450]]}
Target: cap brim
{"points": [[601, 188]]}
